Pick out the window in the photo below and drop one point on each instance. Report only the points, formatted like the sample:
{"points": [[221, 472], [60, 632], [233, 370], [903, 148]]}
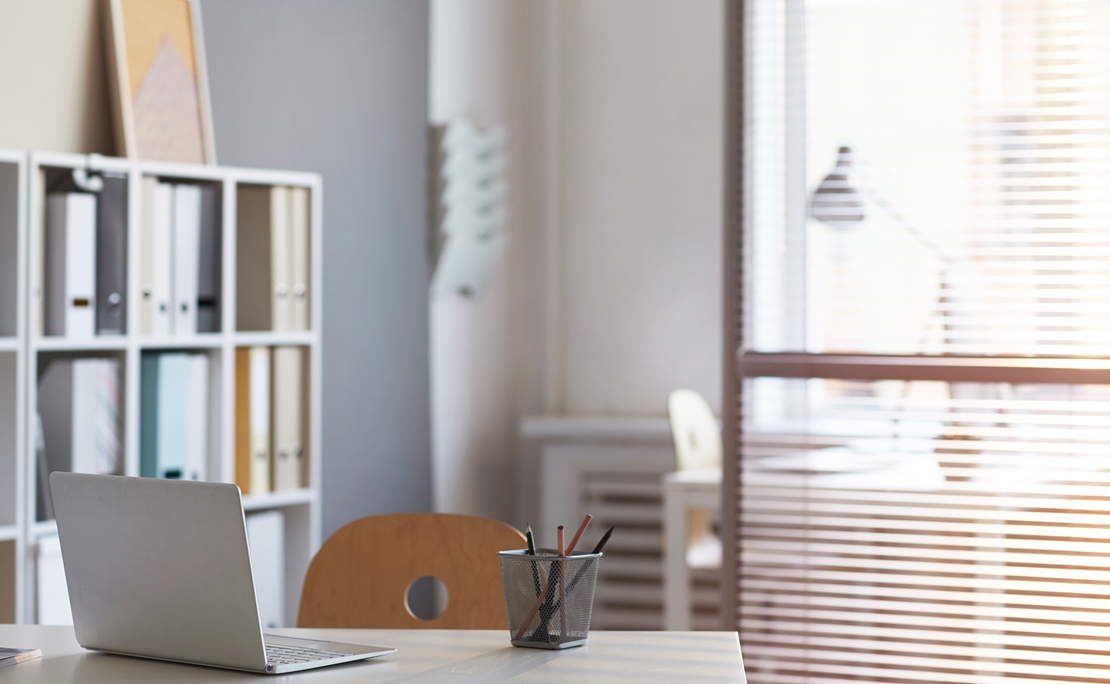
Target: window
{"points": [[923, 474]]}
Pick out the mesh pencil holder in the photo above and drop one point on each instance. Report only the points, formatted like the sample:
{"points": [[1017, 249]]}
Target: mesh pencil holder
{"points": [[549, 598]]}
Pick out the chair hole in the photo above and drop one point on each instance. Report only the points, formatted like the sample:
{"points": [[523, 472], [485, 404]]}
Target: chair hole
{"points": [[426, 598]]}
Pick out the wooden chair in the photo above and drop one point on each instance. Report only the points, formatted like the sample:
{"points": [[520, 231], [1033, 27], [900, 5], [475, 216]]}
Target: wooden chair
{"points": [[362, 573]]}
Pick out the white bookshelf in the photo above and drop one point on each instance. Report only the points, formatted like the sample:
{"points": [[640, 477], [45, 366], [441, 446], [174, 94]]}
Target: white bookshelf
{"points": [[301, 507]]}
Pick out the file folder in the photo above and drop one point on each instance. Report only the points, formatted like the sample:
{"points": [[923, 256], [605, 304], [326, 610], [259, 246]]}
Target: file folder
{"points": [[70, 265], [288, 418], [266, 539], [186, 253], [252, 419], [52, 592], [111, 256], [172, 402], [156, 240], [299, 222], [196, 418], [95, 417], [208, 277]]}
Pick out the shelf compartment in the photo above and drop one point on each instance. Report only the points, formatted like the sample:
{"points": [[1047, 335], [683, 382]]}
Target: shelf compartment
{"points": [[179, 256], [77, 395], [274, 288]]}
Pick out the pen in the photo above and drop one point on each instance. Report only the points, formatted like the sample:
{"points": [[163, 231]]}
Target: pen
{"points": [[531, 539], [532, 552], [586, 565]]}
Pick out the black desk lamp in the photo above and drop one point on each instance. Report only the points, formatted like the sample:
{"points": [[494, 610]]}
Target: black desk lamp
{"points": [[838, 203]]}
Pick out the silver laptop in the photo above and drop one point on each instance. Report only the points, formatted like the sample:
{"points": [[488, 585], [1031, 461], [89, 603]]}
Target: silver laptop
{"points": [[161, 569]]}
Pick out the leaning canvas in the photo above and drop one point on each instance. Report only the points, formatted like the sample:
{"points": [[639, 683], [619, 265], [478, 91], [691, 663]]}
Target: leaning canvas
{"points": [[160, 82]]}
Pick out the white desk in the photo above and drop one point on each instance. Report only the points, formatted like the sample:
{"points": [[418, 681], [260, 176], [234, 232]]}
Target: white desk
{"points": [[683, 490], [422, 656]]}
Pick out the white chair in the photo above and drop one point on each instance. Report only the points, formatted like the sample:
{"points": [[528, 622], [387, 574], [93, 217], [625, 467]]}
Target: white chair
{"points": [[697, 436]]}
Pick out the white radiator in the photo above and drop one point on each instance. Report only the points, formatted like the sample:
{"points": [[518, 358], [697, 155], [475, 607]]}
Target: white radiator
{"points": [[611, 468]]}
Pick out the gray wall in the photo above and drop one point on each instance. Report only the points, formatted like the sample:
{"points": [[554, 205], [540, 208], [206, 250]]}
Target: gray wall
{"points": [[341, 87]]}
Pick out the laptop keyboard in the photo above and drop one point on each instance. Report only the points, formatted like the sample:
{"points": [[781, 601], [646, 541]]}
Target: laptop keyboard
{"points": [[290, 655]]}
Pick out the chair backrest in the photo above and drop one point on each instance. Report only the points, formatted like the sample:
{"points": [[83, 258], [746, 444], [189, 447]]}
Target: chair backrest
{"points": [[361, 576], [697, 436]]}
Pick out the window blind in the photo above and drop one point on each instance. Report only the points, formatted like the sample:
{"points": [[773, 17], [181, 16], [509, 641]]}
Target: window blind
{"points": [[922, 483]]}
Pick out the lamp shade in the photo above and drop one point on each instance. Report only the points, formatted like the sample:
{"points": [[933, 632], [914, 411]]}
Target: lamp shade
{"points": [[837, 201]]}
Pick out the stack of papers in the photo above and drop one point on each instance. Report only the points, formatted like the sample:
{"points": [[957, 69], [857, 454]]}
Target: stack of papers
{"points": [[14, 656]]}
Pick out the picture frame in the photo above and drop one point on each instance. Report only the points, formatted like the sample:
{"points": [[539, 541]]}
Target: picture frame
{"points": [[159, 81]]}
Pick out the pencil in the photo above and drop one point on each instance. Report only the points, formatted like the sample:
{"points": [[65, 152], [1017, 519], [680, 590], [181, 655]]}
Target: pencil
{"points": [[578, 534]]}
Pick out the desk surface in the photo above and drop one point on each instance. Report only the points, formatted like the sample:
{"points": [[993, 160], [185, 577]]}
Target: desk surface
{"points": [[444, 656]]}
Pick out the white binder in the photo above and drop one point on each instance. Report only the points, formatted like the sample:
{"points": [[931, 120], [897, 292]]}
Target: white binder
{"points": [[288, 450], [52, 591], [186, 254], [299, 256], [172, 402], [80, 265], [266, 539], [95, 417], [156, 244], [196, 419]]}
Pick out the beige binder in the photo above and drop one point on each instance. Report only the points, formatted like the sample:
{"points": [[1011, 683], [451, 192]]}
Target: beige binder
{"points": [[288, 449], [299, 222], [243, 419], [252, 420], [281, 308]]}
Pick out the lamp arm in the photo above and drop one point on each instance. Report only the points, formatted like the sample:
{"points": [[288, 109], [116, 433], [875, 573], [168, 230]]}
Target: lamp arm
{"points": [[909, 227]]}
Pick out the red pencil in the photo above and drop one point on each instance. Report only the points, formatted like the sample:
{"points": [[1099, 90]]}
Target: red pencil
{"points": [[578, 534]]}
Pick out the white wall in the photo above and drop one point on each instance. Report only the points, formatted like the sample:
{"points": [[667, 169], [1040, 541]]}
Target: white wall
{"points": [[642, 149], [52, 75], [610, 295]]}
